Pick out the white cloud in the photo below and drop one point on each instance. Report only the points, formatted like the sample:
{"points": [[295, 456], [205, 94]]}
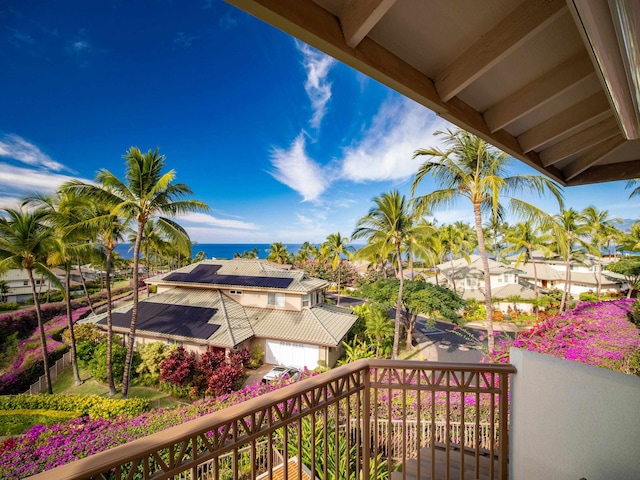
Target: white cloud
{"points": [[296, 170], [384, 153], [17, 148], [317, 66], [19, 179], [210, 220]]}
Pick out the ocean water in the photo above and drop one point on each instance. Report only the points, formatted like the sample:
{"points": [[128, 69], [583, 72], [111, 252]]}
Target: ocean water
{"points": [[219, 250], [224, 250]]}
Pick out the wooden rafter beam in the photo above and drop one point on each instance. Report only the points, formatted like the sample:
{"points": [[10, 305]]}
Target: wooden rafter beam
{"points": [[571, 120], [580, 141], [501, 40], [592, 156], [360, 16], [546, 88], [608, 173]]}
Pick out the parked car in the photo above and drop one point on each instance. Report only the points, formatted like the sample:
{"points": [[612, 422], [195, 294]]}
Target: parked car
{"points": [[278, 372]]}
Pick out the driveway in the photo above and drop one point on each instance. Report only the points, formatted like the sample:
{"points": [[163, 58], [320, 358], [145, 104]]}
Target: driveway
{"points": [[440, 344]]}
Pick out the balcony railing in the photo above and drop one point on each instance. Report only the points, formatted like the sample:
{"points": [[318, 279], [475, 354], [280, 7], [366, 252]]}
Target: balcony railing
{"points": [[368, 419]]}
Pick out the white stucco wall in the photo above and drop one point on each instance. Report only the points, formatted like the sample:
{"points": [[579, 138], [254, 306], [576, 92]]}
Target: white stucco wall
{"points": [[570, 420]]}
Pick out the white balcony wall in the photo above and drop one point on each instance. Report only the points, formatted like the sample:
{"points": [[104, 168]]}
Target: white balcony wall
{"points": [[572, 421]]}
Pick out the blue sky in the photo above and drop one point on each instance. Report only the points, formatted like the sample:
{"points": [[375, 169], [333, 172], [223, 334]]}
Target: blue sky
{"points": [[282, 142]]}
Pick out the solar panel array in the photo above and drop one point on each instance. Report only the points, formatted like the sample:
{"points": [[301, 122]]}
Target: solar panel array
{"points": [[179, 320], [208, 274], [200, 274]]}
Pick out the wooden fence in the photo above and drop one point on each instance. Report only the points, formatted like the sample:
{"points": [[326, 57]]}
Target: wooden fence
{"points": [[54, 371]]}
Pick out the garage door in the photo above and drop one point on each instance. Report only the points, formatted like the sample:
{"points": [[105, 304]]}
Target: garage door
{"points": [[292, 354]]}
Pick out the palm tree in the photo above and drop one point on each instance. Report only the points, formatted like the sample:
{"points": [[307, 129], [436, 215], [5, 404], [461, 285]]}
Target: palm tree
{"points": [[471, 168], [418, 243], [25, 242], [333, 249], [568, 228], [377, 325], [107, 229], [278, 253], [525, 238], [147, 192], [61, 213], [306, 251], [602, 231], [387, 224], [456, 243]]}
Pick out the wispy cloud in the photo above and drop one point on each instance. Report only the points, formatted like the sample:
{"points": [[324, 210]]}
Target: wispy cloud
{"points": [[19, 181], [384, 152], [295, 169], [317, 66], [210, 220], [228, 21], [18, 37], [17, 148], [183, 40]]}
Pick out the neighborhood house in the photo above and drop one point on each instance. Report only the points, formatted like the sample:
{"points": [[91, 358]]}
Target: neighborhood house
{"points": [[233, 304]]}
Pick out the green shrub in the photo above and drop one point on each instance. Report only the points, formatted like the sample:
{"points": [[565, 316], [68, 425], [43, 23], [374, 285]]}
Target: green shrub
{"points": [[8, 306], [256, 356], [14, 422], [588, 297], [97, 365], [93, 405]]}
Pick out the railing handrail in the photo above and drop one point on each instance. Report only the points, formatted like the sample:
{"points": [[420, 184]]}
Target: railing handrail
{"points": [[167, 438]]}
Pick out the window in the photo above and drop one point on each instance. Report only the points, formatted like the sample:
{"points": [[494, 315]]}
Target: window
{"points": [[25, 283], [276, 299], [471, 282], [235, 292], [306, 300]]}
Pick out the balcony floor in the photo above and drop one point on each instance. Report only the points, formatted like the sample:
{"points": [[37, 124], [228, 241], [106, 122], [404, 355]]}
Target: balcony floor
{"points": [[439, 457]]}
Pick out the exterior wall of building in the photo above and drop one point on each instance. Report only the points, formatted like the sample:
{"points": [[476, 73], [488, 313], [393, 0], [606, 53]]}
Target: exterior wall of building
{"points": [[570, 420], [247, 298]]}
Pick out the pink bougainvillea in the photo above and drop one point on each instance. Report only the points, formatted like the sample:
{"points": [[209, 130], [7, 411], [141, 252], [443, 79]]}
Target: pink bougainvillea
{"points": [[597, 334]]}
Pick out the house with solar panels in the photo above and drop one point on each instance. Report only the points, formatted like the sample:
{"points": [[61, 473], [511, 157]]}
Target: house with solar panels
{"points": [[232, 304]]}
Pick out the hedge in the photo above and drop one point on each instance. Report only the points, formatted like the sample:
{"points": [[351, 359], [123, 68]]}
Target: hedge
{"points": [[14, 422], [93, 405]]}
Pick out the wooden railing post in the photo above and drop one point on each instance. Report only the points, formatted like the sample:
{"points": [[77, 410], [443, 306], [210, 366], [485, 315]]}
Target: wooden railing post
{"points": [[503, 428], [366, 424]]}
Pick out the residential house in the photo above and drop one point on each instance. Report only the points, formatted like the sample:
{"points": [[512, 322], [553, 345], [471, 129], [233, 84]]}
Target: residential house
{"points": [[18, 285], [551, 274], [232, 304]]}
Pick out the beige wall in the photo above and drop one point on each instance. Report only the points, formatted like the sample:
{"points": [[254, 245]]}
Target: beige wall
{"points": [[570, 420]]}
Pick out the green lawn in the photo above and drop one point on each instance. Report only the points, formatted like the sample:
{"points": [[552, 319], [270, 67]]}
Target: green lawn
{"points": [[64, 384]]}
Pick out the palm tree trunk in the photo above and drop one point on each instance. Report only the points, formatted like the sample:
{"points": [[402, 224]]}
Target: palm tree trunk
{"points": [[43, 339], [487, 278], [72, 336], [112, 386], [396, 332], [134, 312], [599, 287], [84, 287], [339, 281], [535, 288], [567, 281]]}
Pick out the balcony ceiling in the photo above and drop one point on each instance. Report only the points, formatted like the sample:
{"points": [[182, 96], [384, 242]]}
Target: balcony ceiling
{"points": [[554, 83]]}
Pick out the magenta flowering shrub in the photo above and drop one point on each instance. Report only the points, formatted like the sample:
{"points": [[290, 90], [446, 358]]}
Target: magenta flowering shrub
{"points": [[599, 334], [43, 448]]}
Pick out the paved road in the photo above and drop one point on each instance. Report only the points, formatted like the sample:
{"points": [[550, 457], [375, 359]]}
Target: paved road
{"points": [[438, 343]]}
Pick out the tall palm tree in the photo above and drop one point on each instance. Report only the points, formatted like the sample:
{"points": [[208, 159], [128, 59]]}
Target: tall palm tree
{"points": [[61, 213], [307, 251], [418, 242], [333, 249], [387, 224], [568, 230], [107, 229], [278, 253], [469, 167], [456, 243], [25, 242], [525, 238], [602, 230], [146, 192]]}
